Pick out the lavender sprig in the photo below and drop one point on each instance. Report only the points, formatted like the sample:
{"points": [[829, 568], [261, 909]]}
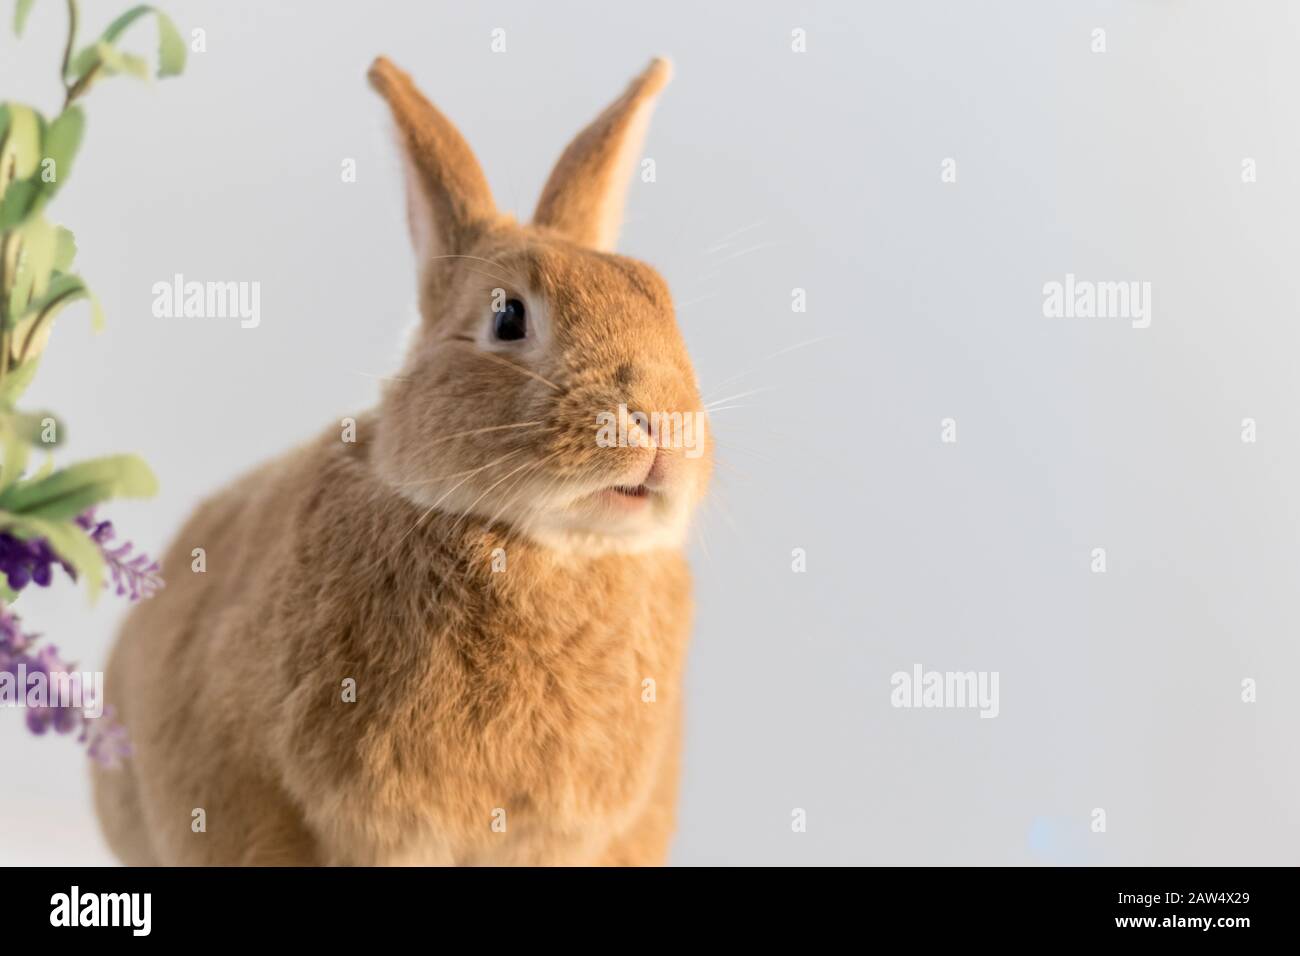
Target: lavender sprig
{"points": [[133, 575], [105, 739]]}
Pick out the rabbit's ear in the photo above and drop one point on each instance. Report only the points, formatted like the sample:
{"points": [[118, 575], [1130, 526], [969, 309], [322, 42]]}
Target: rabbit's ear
{"points": [[583, 199], [446, 192]]}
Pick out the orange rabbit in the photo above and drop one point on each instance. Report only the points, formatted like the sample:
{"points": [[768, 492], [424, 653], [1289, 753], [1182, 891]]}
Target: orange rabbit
{"points": [[458, 638]]}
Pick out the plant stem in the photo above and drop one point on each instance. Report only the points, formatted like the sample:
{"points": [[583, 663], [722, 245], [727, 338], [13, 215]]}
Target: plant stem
{"points": [[40, 320], [81, 84], [68, 51], [4, 309], [72, 39]]}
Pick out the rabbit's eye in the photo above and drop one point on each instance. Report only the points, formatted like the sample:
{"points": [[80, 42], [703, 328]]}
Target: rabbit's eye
{"points": [[510, 324]]}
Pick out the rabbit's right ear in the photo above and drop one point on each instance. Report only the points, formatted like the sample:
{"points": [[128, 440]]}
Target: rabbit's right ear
{"points": [[446, 191], [583, 198]]}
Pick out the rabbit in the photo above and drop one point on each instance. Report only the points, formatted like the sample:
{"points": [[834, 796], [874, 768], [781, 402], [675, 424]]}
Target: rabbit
{"points": [[456, 636]]}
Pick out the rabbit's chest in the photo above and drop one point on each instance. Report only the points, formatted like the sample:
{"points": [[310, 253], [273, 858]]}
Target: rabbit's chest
{"points": [[526, 740]]}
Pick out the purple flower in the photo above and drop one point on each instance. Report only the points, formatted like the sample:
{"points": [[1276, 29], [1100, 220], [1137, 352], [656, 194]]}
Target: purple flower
{"points": [[22, 562], [12, 639], [105, 739], [25, 561], [133, 575], [63, 717]]}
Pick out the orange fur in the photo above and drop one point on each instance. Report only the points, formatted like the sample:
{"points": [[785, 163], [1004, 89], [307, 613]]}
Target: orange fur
{"points": [[478, 690]]}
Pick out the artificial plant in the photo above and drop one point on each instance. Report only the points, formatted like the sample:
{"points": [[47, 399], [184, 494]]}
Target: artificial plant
{"points": [[47, 519]]}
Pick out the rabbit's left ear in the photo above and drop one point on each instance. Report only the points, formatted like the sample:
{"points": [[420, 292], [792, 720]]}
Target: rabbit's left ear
{"points": [[447, 195], [583, 199]]}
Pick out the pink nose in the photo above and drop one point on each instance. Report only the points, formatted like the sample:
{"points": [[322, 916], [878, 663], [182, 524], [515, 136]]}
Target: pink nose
{"points": [[661, 469]]}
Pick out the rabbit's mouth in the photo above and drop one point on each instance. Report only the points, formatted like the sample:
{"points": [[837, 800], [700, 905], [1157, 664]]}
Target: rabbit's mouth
{"points": [[644, 505], [634, 512], [635, 494], [625, 497], [640, 491]]}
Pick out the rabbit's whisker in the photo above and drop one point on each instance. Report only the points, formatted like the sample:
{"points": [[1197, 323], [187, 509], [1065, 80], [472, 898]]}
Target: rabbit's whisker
{"points": [[386, 378], [433, 507], [698, 299], [516, 488], [716, 503], [744, 252], [493, 276], [731, 398], [480, 431], [732, 446], [437, 479], [721, 462], [488, 490], [491, 262], [457, 474], [753, 368], [725, 241], [518, 368], [715, 273]]}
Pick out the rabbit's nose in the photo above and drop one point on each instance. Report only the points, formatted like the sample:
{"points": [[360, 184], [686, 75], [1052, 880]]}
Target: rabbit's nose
{"points": [[661, 471]]}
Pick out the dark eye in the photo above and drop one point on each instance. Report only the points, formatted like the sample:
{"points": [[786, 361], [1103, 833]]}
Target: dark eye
{"points": [[510, 324]]}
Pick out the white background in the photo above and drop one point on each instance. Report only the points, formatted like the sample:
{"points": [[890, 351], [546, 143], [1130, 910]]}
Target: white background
{"points": [[778, 170]]}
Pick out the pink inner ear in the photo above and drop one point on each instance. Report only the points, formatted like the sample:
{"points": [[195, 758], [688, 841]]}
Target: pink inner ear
{"points": [[445, 187], [419, 214]]}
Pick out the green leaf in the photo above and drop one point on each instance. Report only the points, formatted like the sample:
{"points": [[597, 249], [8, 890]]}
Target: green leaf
{"points": [[31, 427], [82, 62], [15, 452], [96, 312], [62, 140], [70, 491], [33, 329], [171, 48], [22, 200], [65, 249], [46, 469], [21, 9], [60, 285], [20, 146], [113, 61], [64, 289], [104, 56], [16, 382], [69, 541], [33, 266]]}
